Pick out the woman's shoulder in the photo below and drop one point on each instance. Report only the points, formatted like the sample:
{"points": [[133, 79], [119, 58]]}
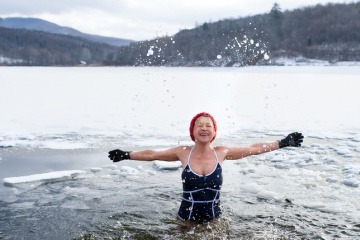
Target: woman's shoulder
{"points": [[182, 149], [220, 148], [221, 152], [182, 153]]}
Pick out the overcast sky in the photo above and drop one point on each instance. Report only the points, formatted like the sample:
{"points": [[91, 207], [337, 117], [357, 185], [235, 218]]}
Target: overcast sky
{"points": [[142, 19]]}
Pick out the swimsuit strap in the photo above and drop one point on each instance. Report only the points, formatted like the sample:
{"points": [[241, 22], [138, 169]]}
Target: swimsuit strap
{"points": [[217, 160], [188, 158], [188, 161]]}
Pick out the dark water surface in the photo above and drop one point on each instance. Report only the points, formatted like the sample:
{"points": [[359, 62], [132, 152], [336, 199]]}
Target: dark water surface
{"points": [[132, 200]]}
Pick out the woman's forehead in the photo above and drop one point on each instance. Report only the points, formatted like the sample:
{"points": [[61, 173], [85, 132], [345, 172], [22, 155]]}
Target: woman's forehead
{"points": [[203, 119]]}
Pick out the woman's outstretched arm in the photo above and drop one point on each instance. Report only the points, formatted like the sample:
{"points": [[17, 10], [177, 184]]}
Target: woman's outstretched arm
{"points": [[170, 154], [292, 140]]}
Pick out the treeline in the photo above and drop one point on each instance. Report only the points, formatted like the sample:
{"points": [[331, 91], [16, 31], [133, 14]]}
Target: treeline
{"points": [[37, 48], [330, 32], [327, 32]]}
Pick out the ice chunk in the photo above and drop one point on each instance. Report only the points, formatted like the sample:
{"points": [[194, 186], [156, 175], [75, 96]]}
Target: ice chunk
{"points": [[9, 195], [112, 167], [163, 165], [150, 172], [329, 160], [314, 205], [332, 209], [343, 151], [281, 161], [75, 205], [50, 177], [332, 179], [280, 158], [351, 182], [351, 169], [282, 166], [22, 205], [94, 170], [251, 188], [356, 138], [128, 170], [247, 170], [268, 195]]}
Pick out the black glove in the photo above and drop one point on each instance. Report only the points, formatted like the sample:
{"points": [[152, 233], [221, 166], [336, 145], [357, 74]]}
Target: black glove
{"points": [[118, 155], [293, 139]]}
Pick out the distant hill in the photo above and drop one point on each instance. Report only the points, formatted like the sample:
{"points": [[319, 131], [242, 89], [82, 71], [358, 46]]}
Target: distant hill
{"points": [[21, 47], [328, 32], [42, 25]]}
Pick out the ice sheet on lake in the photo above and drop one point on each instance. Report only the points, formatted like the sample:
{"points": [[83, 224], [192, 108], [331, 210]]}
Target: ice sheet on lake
{"points": [[163, 165], [50, 177]]}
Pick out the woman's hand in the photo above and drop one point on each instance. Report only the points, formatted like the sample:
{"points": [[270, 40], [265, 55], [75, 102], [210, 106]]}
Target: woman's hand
{"points": [[118, 155], [293, 140]]}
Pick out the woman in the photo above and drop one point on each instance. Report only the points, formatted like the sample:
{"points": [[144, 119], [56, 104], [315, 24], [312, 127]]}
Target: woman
{"points": [[202, 172]]}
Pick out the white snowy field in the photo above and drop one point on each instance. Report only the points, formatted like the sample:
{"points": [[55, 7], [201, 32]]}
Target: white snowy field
{"points": [[51, 116]]}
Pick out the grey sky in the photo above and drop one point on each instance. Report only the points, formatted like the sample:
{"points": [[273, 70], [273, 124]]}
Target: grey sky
{"points": [[142, 19]]}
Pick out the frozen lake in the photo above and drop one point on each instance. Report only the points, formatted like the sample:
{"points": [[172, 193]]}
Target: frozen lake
{"points": [[66, 119]]}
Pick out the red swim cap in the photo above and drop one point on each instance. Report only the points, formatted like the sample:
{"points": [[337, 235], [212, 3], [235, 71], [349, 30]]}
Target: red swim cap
{"points": [[192, 124]]}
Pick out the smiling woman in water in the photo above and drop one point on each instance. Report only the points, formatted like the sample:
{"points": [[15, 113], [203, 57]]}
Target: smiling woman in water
{"points": [[202, 172]]}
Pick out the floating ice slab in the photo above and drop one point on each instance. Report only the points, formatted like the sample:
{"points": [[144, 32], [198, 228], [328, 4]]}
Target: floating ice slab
{"points": [[95, 170], [162, 165], [125, 170], [351, 182], [342, 151], [57, 176], [332, 179], [329, 160], [112, 167]]}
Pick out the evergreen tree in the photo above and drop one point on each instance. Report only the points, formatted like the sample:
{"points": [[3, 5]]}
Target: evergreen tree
{"points": [[276, 26]]}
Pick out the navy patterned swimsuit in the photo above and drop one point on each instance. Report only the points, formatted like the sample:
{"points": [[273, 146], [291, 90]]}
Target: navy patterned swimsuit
{"points": [[201, 193]]}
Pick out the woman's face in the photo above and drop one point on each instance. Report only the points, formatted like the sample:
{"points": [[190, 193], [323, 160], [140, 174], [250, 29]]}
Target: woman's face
{"points": [[204, 129]]}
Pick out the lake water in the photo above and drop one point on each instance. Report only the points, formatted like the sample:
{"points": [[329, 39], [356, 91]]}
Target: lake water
{"points": [[56, 119]]}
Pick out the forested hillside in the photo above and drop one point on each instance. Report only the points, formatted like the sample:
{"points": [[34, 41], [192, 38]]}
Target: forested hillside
{"points": [[36, 48], [327, 32], [45, 26], [330, 32]]}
